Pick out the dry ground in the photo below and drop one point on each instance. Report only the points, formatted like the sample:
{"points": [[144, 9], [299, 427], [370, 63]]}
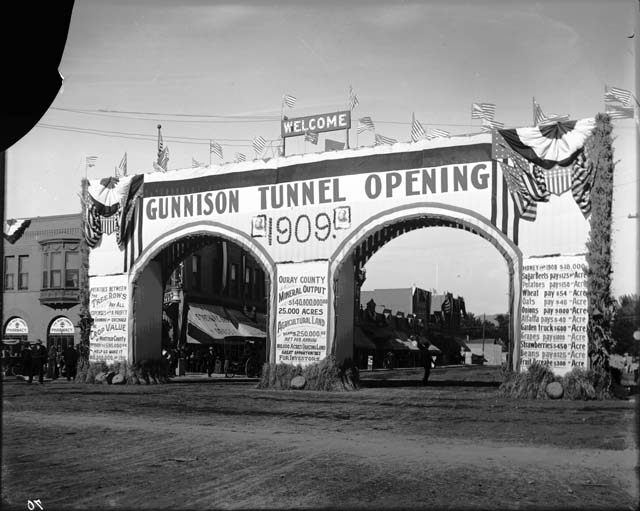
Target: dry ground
{"points": [[230, 446]]}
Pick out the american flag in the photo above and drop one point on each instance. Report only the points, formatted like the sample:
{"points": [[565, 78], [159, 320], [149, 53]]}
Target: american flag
{"points": [[488, 125], [195, 163], [365, 124], [164, 157], [240, 157], [353, 99], [91, 161], [483, 111], [619, 112], [417, 131], [540, 118], [215, 148], [289, 100], [160, 144], [122, 167], [617, 94], [440, 133], [381, 139], [581, 183], [311, 136], [259, 144]]}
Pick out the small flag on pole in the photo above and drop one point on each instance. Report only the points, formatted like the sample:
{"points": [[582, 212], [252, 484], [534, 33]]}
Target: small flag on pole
{"points": [[417, 131], [353, 99], [381, 140], [440, 133], [215, 148], [122, 166], [289, 100], [488, 125], [365, 124], [91, 161], [483, 111], [195, 163], [539, 117], [617, 94], [619, 112], [240, 157], [163, 159], [312, 137], [259, 144], [333, 145]]}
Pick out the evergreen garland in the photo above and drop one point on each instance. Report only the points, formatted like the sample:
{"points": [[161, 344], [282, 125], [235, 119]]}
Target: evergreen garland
{"points": [[85, 316], [599, 152]]}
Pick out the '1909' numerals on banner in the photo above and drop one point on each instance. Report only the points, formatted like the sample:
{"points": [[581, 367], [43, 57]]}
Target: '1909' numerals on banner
{"points": [[302, 228]]}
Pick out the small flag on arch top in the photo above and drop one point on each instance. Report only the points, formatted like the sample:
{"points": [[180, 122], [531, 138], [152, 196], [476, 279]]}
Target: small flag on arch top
{"points": [[311, 136], [195, 163], [215, 148], [259, 144], [539, 117], [417, 131], [122, 166], [289, 100], [488, 125], [365, 124], [91, 161], [617, 94], [381, 140], [483, 111], [435, 132], [240, 157], [619, 112], [353, 99]]}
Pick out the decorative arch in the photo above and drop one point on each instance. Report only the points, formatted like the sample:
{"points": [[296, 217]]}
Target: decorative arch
{"points": [[365, 240]]}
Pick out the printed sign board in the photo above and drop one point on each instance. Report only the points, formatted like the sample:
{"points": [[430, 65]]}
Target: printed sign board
{"points": [[62, 326], [109, 308], [17, 326], [316, 124], [301, 313], [554, 313]]}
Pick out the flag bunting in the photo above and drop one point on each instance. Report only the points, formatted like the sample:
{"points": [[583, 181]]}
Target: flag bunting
{"points": [[365, 124]]}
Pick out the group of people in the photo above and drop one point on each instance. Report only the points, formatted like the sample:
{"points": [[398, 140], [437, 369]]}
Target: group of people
{"points": [[36, 359]]}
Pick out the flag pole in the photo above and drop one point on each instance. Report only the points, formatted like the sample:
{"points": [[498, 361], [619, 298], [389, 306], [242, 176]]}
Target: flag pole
{"points": [[533, 109], [158, 158], [350, 115], [210, 152], [281, 130]]}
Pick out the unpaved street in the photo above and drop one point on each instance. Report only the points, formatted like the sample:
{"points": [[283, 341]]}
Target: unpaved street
{"points": [[224, 446]]}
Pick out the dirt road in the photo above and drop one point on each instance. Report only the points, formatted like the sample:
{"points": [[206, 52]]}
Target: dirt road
{"points": [[221, 446]]}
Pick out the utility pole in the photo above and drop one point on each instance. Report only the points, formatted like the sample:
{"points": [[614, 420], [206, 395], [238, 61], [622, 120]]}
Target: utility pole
{"points": [[484, 320]]}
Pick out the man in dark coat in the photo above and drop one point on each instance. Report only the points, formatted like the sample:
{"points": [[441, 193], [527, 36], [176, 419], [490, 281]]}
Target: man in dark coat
{"points": [[26, 357], [210, 360], [70, 362], [38, 359]]}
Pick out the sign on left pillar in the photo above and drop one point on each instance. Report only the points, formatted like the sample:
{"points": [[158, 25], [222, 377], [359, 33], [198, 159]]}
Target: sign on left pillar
{"points": [[109, 308], [302, 310]]}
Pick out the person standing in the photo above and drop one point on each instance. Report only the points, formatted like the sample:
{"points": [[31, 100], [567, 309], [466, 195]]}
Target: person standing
{"points": [[52, 366], [210, 358], [426, 360], [70, 362], [26, 357], [38, 358]]}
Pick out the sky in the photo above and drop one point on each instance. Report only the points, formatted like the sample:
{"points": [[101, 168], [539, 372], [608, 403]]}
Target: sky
{"points": [[218, 71]]}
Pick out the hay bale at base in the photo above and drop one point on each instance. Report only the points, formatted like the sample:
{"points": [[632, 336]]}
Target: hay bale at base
{"points": [[327, 375], [118, 379], [298, 382]]}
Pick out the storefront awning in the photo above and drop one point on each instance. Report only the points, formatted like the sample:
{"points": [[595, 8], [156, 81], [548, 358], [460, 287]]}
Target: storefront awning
{"points": [[212, 320], [246, 326]]}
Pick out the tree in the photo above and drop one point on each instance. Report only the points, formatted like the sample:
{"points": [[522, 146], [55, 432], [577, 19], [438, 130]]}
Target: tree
{"points": [[626, 320]]}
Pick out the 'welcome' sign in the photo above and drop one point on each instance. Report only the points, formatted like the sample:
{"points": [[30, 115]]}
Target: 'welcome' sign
{"points": [[316, 124]]}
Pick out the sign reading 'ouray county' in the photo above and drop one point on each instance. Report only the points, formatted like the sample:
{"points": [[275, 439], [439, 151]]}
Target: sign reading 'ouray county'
{"points": [[319, 123]]}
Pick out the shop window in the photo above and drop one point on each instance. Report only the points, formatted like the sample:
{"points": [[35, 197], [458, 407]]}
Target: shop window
{"points": [[9, 271], [196, 272], [248, 290], [72, 269], [234, 279], [23, 272]]}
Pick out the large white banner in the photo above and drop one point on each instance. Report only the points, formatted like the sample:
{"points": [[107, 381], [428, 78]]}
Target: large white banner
{"points": [[554, 313], [109, 308], [302, 312]]}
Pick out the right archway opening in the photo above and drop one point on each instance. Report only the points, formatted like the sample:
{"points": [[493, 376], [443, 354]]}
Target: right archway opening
{"points": [[422, 272]]}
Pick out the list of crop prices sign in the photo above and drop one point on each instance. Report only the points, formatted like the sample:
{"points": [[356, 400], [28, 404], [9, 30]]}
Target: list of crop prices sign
{"points": [[301, 314], [554, 313], [108, 306]]}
